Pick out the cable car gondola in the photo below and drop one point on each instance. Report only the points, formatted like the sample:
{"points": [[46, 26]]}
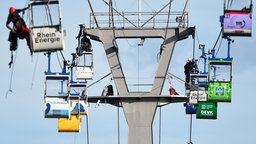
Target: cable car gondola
{"points": [[237, 22], [69, 125], [220, 80], [57, 105], [45, 25], [220, 77], [198, 87], [198, 84]]}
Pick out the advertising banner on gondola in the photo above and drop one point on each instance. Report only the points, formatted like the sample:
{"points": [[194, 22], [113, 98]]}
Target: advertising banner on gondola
{"points": [[237, 23], [206, 110], [46, 39], [56, 108], [195, 96]]}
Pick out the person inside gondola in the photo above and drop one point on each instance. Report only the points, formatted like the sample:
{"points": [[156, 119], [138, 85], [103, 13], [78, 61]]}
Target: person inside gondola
{"points": [[19, 29]]}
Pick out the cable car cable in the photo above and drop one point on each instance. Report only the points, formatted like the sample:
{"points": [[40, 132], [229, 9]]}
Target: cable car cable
{"points": [[93, 13], [194, 42], [49, 12], [217, 39], [168, 18], [218, 48], [99, 80], [195, 87], [59, 60], [197, 37], [113, 24], [230, 2]]}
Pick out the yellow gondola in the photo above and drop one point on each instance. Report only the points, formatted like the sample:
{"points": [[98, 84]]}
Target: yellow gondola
{"points": [[69, 125]]}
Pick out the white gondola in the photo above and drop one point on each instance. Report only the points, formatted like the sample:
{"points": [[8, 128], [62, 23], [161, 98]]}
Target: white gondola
{"points": [[56, 96], [198, 87], [84, 69], [45, 26]]}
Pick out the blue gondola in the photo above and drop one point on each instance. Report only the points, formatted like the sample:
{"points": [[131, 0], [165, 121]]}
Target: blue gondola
{"points": [[190, 109]]}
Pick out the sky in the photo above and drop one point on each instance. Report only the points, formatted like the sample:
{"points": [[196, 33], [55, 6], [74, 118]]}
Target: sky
{"points": [[22, 103]]}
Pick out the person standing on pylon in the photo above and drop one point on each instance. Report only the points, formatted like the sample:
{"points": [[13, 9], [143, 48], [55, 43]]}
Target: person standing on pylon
{"points": [[19, 29]]}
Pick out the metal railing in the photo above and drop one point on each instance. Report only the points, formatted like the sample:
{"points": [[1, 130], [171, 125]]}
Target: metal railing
{"points": [[142, 19]]}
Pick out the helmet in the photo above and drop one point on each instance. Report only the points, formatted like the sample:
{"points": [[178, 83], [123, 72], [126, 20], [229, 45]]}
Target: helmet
{"points": [[189, 59], [12, 10]]}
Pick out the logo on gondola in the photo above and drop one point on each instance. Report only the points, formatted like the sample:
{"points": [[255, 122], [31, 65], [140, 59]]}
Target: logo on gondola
{"points": [[44, 37], [241, 23], [207, 113], [219, 91]]}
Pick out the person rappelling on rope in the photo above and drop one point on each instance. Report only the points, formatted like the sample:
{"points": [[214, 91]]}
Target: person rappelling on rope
{"points": [[19, 29]]}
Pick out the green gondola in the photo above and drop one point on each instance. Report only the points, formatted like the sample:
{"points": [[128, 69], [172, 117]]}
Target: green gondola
{"points": [[220, 80]]}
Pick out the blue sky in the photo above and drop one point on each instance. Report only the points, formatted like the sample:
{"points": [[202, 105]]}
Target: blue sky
{"points": [[22, 112]]}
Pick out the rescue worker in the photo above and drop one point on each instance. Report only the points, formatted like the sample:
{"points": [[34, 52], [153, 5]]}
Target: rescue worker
{"points": [[189, 67], [84, 46], [19, 29]]}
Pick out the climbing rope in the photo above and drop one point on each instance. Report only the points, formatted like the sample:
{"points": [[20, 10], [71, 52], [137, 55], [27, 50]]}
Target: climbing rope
{"points": [[12, 72], [34, 72]]}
